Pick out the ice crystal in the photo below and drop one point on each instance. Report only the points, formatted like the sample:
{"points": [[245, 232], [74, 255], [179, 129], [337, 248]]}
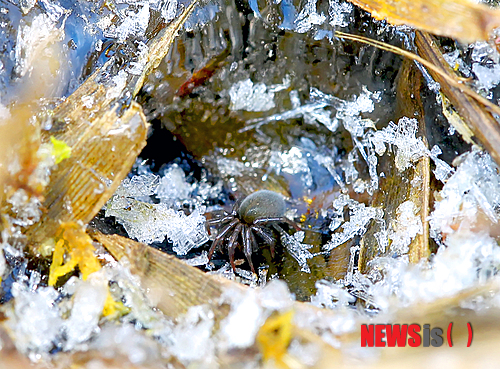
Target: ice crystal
{"points": [[133, 22], [339, 12], [293, 162], [150, 223], [230, 167], [26, 208], [485, 65], [117, 85], [407, 146], [402, 136], [330, 295], [32, 40], [88, 303], [201, 259], [249, 310], [473, 188], [124, 340], [311, 112], [135, 205], [192, 336], [173, 185], [297, 249], [405, 227], [243, 321], [245, 95], [308, 17], [167, 8], [138, 186], [36, 320], [360, 216]]}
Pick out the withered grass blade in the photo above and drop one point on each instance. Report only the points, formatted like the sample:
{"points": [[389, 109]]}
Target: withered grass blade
{"points": [[480, 121], [463, 20], [105, 137], [176, 285]]}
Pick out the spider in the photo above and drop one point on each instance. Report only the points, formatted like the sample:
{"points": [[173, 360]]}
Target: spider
{"points": [[251, 216]]}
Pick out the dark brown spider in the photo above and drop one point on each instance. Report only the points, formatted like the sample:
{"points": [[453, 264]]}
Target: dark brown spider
{"points": [[253, 215]]}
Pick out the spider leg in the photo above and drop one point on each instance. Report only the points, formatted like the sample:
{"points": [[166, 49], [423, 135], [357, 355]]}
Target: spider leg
{"points": [[232, 245], [221, 236], [262, 221], [247, 245], [226, 218], [266, 237]]}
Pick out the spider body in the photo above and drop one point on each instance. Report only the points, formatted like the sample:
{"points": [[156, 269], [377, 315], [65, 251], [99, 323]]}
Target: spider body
{"points": [[254, 215]]}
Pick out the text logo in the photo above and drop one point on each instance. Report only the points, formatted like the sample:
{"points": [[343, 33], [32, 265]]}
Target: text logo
{"points": [[413, 335]]}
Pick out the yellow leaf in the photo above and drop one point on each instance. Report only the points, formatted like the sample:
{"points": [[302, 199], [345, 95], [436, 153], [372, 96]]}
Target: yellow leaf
{"points": [[73, 248], [60, 149], [274, 337]]}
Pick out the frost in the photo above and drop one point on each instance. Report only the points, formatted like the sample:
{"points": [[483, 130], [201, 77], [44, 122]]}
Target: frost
{"points": [[187, 232], [230, 167], [173, 185], [409, 148], [192, 336], [124, 340], [249, 310], [485, 65], [330, 295], [244, 320], [32, 41], [308, 18], [137, 66], [455, 62], [132, 23], [299, 251], [293, 161], [198, 260], [138, 186], [405, 227], [25, 207], [443, 170], [472, 188], [167, 8], [339, 13], [88, 302], [150, 223], [276, 296], [245, 95], [135, 205], [118, 84], [36, 321], [360, 216], [311, 112]]}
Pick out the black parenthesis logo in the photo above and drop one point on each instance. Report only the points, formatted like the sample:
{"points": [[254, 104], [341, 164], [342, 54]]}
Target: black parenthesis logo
{"points": [[469, 327], [450, 343]]}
